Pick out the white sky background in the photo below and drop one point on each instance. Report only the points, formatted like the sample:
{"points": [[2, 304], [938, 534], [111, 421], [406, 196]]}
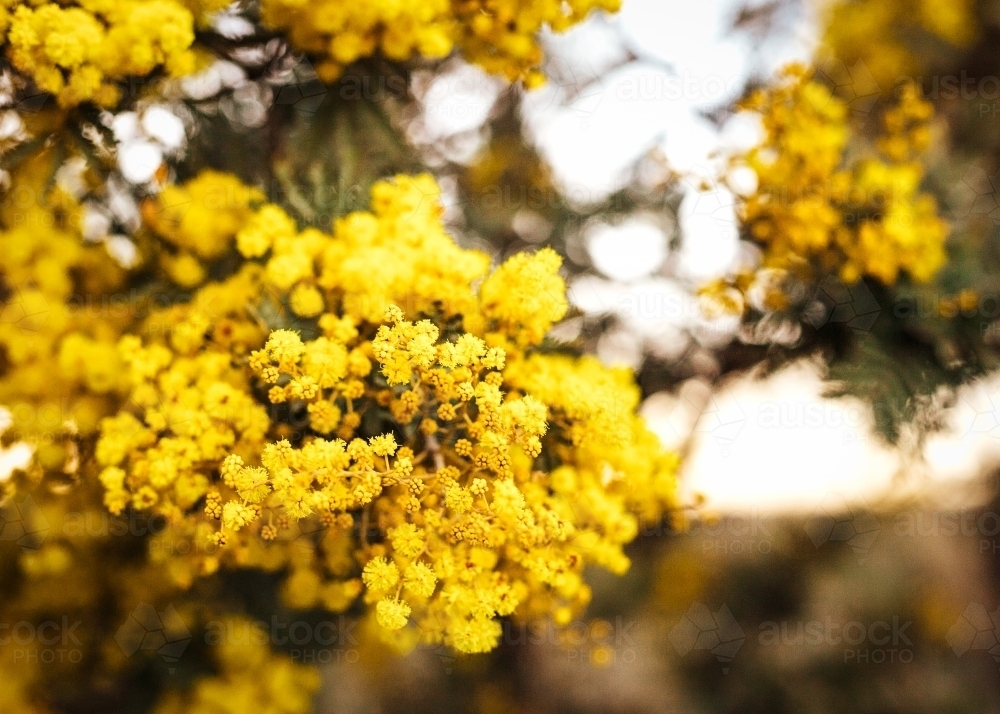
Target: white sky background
{"points": [[773, 444]]}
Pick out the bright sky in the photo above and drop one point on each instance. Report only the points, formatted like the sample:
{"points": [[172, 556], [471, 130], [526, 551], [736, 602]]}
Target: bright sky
{"points": [[776, 444]]}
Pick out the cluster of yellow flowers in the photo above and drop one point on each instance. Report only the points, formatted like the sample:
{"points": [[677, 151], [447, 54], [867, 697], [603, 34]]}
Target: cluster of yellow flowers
{"points": [[198, 221], [818, 210], [874, 33], [79, 51], [433, 450], [499, 35]]}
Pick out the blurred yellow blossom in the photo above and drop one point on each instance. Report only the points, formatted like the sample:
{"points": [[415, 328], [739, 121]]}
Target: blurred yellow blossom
{"points": [[815, 210], [499, 36]]}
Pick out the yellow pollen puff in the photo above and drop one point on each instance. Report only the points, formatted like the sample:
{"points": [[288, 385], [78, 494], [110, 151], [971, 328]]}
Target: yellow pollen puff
{"points": [[392, 614]]}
